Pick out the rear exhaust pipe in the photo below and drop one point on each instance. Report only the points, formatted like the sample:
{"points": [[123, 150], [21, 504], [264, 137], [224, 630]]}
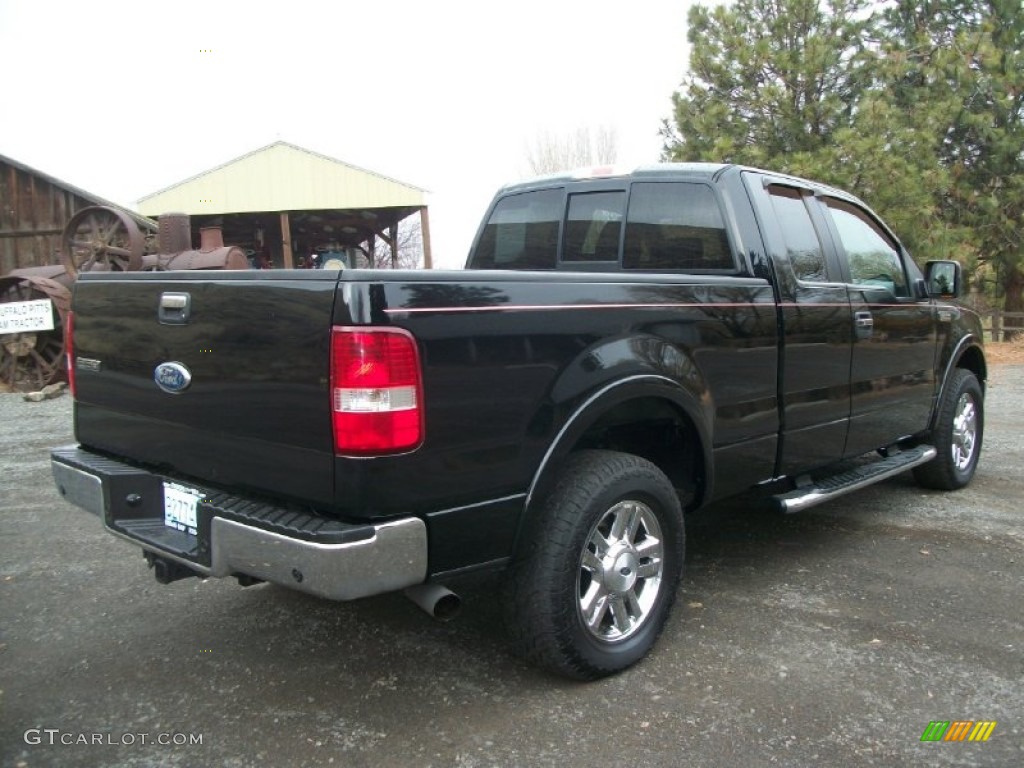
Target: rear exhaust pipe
{"points": [[440, 602]]}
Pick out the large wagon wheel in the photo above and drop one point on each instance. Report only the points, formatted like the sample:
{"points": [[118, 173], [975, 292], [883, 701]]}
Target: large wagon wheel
{"points": [[102, 239], [31, 360]]}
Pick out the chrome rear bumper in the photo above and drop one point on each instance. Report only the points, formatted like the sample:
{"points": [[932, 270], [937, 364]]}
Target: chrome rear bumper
{"points": [[321, 556]]}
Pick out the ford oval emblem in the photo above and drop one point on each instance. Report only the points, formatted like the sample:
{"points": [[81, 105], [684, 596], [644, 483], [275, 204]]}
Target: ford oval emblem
{"points": [[172, 377]]}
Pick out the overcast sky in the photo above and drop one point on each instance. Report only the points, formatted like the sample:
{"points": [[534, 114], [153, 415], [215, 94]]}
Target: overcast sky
{"points": [[125, 98]]}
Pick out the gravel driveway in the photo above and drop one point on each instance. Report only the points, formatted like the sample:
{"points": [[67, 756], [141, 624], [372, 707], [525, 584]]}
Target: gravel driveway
{"points": [[833, 637]]}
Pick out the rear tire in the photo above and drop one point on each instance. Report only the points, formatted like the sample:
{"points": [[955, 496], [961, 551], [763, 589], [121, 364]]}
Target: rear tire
{"points": [[959, 427], [599, 566]]}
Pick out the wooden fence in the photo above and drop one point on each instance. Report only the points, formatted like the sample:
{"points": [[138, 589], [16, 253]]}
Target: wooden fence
{"points": [[994, 323]]}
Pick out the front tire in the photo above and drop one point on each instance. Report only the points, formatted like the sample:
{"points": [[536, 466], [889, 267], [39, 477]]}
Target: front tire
{"points": [[597, 574], [959, 427]]}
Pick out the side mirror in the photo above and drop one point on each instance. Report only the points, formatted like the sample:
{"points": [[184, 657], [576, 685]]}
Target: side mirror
{"points": [[943, 279]]}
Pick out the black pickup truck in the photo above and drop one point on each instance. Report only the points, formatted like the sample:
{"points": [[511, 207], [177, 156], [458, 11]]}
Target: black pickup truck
{"points": [[622, 348]]}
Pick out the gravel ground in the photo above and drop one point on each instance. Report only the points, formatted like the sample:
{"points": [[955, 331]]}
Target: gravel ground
{"points": [[832, 637]]}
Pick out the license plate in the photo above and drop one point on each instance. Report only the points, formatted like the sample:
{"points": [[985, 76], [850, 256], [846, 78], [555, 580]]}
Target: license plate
{"points": [[180, 505]]}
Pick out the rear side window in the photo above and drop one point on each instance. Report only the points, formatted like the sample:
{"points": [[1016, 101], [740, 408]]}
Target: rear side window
{"points": [[802, 244], [521, 232], [675, 226]]}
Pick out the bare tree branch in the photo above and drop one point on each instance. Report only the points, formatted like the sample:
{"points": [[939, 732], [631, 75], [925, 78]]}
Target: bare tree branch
{"points": [[550, 153], [410, 247]]}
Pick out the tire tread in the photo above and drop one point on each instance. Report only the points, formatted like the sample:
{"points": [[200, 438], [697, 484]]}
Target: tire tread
{"points": [[537, 612], [940, 473]]}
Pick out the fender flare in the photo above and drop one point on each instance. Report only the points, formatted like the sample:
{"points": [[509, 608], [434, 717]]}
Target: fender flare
{"points": [[966, 344], [599, 402]]}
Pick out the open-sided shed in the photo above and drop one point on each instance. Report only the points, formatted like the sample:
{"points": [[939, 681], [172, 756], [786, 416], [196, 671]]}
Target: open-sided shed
{"points": [[284, 203]]}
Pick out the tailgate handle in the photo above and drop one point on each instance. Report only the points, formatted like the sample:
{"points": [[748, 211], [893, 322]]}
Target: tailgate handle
{"points": [[174, 308]]}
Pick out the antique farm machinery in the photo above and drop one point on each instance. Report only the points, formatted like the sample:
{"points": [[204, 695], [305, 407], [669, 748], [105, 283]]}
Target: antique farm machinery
{"points": [[34, 301]]}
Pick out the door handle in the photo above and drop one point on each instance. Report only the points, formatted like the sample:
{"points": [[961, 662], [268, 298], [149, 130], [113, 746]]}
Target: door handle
{"points": [[863, 324]]}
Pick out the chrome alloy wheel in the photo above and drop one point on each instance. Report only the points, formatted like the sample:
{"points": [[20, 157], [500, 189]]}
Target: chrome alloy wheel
{"points": [[965, 431], [620, 571]]}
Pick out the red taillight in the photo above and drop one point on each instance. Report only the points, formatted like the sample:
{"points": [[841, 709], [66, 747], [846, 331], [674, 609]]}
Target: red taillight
{"points": [[376, 391], [69, 350]]}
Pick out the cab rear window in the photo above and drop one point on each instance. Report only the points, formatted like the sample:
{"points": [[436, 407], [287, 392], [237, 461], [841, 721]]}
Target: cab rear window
{"points": [[593, 226], [675, 226], [521, 232], [656, 226]]}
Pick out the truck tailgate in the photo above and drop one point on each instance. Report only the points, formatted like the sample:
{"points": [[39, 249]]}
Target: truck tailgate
{"points": [[246, 404]]}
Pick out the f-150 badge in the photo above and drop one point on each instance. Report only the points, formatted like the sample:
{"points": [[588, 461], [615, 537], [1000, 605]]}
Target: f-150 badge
{"points": [[172, 377]]}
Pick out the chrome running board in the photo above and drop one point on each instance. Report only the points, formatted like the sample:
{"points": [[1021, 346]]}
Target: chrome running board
{"points": [[851, 480]]}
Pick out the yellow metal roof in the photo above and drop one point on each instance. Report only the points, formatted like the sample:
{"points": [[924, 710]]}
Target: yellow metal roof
{"points": [[282, 177]]}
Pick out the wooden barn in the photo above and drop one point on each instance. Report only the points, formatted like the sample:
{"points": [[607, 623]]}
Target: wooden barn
{"points": [[34, 209]]}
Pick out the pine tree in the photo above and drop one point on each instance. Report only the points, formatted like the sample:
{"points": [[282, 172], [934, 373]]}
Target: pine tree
{"points": [[969, 56], [770, 80], [916, 106]]}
